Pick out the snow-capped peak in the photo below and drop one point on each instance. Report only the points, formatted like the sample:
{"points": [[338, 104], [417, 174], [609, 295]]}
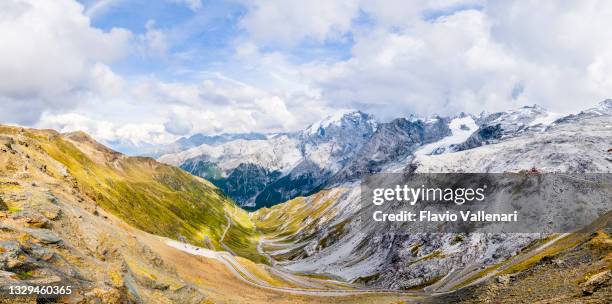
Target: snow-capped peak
{"points": [[602, 108], [522, 114], [605, 105], [338, 119], [329, 142]]}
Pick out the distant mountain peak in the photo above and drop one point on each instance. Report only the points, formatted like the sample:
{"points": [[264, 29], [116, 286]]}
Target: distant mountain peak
{"points": [[605, 104], [348, 117]]}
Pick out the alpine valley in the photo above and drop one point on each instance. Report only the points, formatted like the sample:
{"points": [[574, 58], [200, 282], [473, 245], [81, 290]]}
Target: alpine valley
{"points": [[275, 218]]}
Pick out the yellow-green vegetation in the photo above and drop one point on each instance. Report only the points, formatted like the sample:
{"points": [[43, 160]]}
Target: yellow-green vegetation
{"points": [[242, 236], [426, 283], [600, 242], [367, 279], [564, 243], [12, 209], [595, 239], [481, 274], [298, 219], [298, 214], [151, 196], [433, 255], [25, 275]]}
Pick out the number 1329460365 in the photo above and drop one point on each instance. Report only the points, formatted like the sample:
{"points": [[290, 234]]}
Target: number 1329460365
{"points": [[50, 290]]}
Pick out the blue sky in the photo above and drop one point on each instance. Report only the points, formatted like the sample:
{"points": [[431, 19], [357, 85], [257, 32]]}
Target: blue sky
{"points": [[135, 72], [198, 39]]}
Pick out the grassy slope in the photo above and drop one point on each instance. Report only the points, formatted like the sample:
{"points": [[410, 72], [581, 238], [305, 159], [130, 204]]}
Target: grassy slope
{"points": [[297, 215], [298, 220], [154, 197]]}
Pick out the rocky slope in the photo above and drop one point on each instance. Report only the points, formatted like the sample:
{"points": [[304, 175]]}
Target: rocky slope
{"points": [[68, 205], [329, 240], [581, 272]]}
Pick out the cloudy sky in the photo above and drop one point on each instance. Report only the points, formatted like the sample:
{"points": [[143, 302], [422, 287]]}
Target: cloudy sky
{"points": [[140, 71]]}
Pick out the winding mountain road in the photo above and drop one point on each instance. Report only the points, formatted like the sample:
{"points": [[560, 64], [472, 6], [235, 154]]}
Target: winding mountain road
{"points": [[447, 285]]}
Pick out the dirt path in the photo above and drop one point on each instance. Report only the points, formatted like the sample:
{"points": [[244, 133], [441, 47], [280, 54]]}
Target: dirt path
{"points": [[229, 224]]}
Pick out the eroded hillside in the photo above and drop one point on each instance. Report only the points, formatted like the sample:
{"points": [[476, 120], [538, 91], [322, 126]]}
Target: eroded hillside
{"points": [[321, 234], [156, 198]]}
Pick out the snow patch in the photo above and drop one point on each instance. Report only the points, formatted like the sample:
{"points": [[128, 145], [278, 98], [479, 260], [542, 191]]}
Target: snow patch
{"points": [[461, 129], [546, 120]]}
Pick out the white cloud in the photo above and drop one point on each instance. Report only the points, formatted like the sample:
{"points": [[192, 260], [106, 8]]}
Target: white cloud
{"points": [[149, 111], [47, 53], [426, 68], [404, 57], [466, 59], [288, 22], [445, 56], [153, 41], [107, 131]]}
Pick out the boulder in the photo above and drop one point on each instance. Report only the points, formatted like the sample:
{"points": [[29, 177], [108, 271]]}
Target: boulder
{"points": [[51, 212], [503, 279], [31, 219], [8, 279], [596, 281], [7, 274], [12, 255], [40, 253], [6, 143], [45, 236]]}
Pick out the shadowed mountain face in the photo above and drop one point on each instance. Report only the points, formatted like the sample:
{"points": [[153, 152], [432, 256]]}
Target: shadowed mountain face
{"points": [[337, 149], [283, 166], [391, 142]]}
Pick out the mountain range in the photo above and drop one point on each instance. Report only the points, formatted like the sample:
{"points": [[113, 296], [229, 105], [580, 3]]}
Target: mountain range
{"points": [[263, 170]]}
